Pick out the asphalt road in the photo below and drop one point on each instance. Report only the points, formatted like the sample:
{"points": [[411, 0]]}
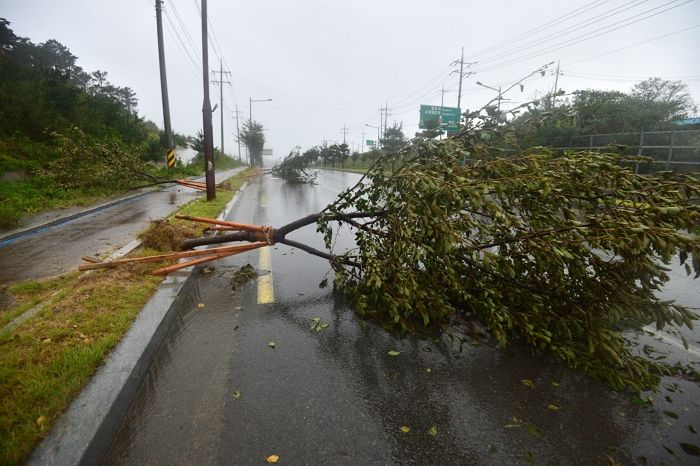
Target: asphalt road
{"points": [[59, 249], [219, 394]]}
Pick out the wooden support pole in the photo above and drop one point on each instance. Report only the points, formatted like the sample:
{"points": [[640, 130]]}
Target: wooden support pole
{"points": [[173, 256], [236, 226]]}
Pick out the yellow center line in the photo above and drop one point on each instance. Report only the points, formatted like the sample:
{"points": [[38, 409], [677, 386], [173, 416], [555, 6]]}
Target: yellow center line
{"points": [[263, 200], [266, 293]]}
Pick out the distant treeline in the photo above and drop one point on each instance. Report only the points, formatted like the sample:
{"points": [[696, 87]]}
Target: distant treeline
{"points": [[43, 91]]}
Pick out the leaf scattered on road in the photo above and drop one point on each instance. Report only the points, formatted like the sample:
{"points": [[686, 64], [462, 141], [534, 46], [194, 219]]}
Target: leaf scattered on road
{"points": [[690, 449], [405, 429], [236, 394], [393, 353], [553, 407], [200, 305], [528, 383], [433, 431], [272, 459], [533, 430], [272, 344], [317, 325]]}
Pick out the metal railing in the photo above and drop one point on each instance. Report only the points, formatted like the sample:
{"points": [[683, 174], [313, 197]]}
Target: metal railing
{"points": [[669, 150]]}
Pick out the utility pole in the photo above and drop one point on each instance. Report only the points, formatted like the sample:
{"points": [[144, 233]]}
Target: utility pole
{"points": [[164, 81], [386, 116], [462, 75], [345, 132], [221, 83], [363, 140], [238, 133], [206, 112], [556, 84]]}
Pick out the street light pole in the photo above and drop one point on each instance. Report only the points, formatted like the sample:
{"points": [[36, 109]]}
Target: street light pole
{"points": [[498, 121], [372, 126], [250, 106]]}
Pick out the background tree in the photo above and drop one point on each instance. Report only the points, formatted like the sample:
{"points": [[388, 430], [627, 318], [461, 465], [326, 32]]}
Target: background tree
{"points": [[253, 137], [393, 138]]}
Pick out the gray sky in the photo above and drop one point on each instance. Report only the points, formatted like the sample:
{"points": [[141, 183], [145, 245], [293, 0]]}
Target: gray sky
{"points": [[327, 63]]}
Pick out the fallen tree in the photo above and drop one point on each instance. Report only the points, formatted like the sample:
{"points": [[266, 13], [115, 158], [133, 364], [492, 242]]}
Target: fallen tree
{"points": [[561, 253], [295, 167]]}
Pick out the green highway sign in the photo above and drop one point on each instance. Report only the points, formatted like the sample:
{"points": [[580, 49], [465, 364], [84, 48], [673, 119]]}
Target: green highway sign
{"points": [[432, 116], [370, 142]]}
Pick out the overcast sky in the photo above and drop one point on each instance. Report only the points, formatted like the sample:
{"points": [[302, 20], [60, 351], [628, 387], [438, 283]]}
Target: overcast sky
{"points": [[327, 63]]}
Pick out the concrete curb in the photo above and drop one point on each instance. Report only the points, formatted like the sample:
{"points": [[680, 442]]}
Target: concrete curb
{"points": [[85, 432]]}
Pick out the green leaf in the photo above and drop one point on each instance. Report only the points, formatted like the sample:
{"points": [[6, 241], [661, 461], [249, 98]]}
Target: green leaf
{"points": [[533, 430], [433, 431], [690, 449], [236, 394], [530, 457], [671, 414], [393, 353], [272, 344], [528, 383]]}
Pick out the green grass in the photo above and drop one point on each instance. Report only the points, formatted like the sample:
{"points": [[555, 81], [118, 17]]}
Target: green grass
{"points": [[47, 360]]}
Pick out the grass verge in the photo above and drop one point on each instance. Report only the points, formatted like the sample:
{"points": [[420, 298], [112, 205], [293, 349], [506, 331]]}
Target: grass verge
{"points": [[47, 359]]}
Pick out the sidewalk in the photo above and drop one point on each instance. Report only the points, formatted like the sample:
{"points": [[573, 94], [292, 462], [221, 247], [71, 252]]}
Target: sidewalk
{"points": [[56, 246]]}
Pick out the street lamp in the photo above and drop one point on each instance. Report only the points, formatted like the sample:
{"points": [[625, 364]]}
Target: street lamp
{"points": [[250, 106], [372, 126], [498, 121]]}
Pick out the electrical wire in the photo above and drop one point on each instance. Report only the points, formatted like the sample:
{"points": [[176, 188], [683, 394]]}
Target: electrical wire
{"points": [[633, 45], [576, 27], [583, 38], [185, 30], [192, 64], [528, 33]]}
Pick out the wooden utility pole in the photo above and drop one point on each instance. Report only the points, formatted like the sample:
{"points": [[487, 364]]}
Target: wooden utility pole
{"points": [[386, 116], [163, 79], [238, 133], [556, 84], [221, 83], [345, 132], [206, 113]]}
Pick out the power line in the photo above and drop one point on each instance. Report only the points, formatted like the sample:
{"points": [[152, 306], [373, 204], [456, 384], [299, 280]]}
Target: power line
{"points": [[576, 27], [583, 37], [180, 45], [633, 45], [528, 33], [184, 29]]}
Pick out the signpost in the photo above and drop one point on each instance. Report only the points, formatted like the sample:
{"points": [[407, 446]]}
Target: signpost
{"points": [[171, 158], [370, 142], [434, 116]]}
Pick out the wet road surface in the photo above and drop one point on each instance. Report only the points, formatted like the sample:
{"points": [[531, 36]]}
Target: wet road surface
{"points": [[219, 394], [59, 249]]}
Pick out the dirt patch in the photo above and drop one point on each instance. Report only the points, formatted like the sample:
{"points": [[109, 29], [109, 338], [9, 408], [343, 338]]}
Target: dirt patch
{"points": [[165, 236]]}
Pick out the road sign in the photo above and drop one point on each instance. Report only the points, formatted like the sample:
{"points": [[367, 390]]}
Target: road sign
{"points": [[432, 116], [370, 142], [170, 157]]}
